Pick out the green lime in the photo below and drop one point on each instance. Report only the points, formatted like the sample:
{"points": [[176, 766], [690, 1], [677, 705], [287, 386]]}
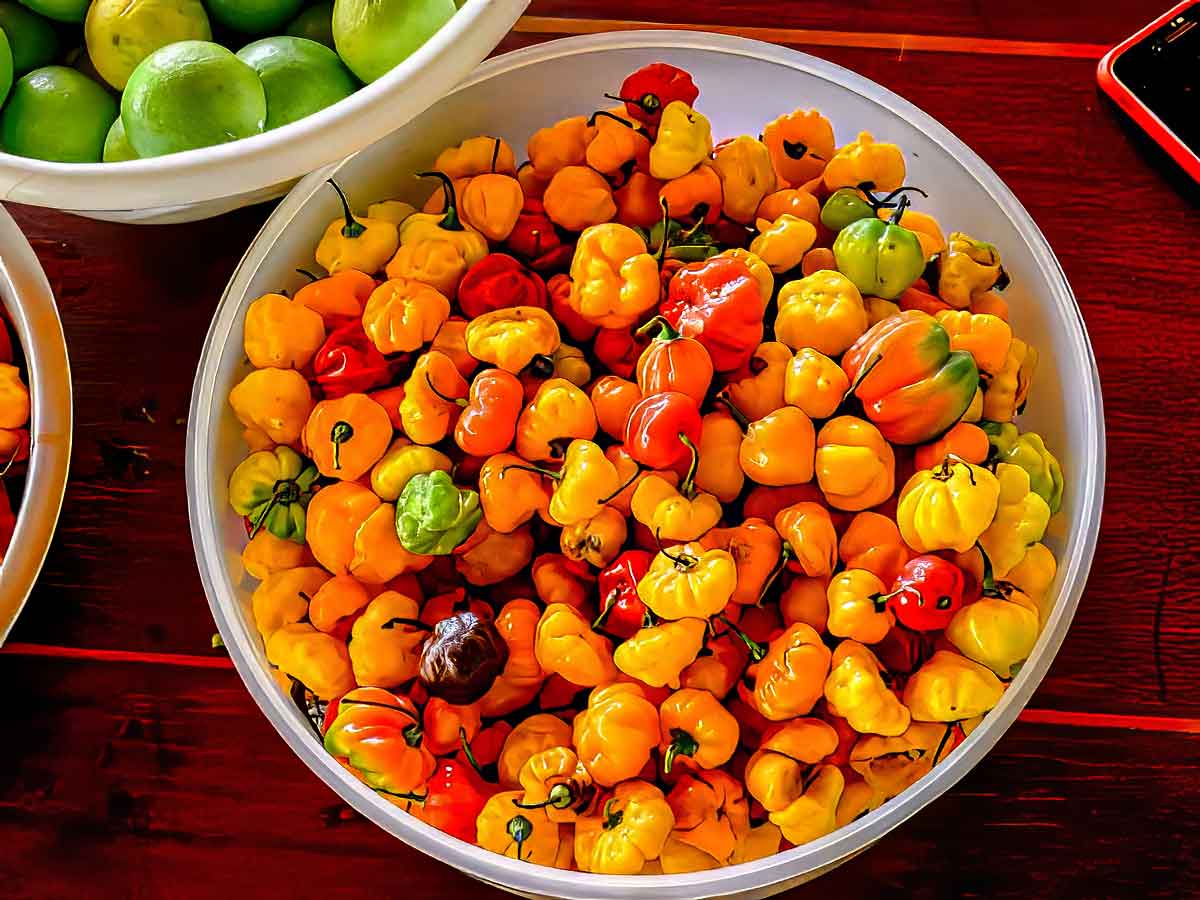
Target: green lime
{"points": [[6, 66], [299, 76], [315, 23], [372, 36], [33, 40], [254, 16], [60, 10], [121, 33], [116, 146], [191, 94], [58, 114]]}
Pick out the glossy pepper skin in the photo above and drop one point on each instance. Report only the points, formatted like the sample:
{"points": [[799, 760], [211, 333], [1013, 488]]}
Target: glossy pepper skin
{"points": [[512, 337], [488, 422], [912, 386], [808, 530], [1020, 521], [555, 780], [801, 143], [347, 436], [697, 730], [614, 280], [650, 89], [814, 383], [383, 652], [688, 581], [499, 281], [1007, 392], [757, 389], [865, 160], [747, 176], [776, 773], [657, 654], [280, 599], [524, 834], [282, 333], [338, 297], [927, 593], [1028, 450], [684, 138], [587, 479], [858, 607], [355, 242], [615, 733], [565, 644], [883, 259], [402, 314], [559, 145], [997, 631], [509, 494], [612, 399], [559, 413], [476, 156], [446, 226], [888, 765], [629, 830], [984, 336], [272, 488], [349, 362], [578, 197], [854, 466], [718, 470], [622, 611], [434, 516], [950, 688], [782, 244], [856, 691], [335, 515], [379, 735], [711, 814], [965, 440], [756, 550], [823, 311], [400, 463], [947, 508], [672, 362], [662, 429], [454, 797], [805, 802], [789, 680], [461, 659], [619, 141], [718, 303], [966, 268], [779, 449], [272, 404], [430, 398], [673, 514], [531, 736], [491, 203]]}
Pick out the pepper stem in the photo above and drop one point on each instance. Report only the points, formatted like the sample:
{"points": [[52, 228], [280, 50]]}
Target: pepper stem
{"points": [[560, 797], [466, 749], [937, 755], [606, 114], [687, 487], [354, 701], [784, 555], [632, 478], [520, 829], [682, 744], [798, 150], [612, 818], [457, 401], [408, 795], [738, 415], [901, 207], [537, 470], [307, 274], [495, 153], [341, 432], [988, 582], [683, 560], [353, 228], [413, 734], [757, 650], [648, 102], [665, 330], [660, 255], [541, 366], [450, 221], [411, 623]]}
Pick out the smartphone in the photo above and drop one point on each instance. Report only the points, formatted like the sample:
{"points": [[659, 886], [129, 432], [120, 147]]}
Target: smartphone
{"points": [[1154, 76]]}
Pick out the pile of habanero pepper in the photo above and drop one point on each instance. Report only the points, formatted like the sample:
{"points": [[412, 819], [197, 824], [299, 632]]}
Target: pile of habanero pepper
{"points": [[14, 432], [650, 506]]}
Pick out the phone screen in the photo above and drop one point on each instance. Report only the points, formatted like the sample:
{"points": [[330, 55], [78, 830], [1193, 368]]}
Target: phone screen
{"points": [[1163, 72]]}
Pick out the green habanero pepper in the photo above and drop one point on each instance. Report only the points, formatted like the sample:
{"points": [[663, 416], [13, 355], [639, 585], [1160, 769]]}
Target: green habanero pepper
{"points": [[272, 489], [1028, 451], [433, 515], [883, 259], [844, 206]]}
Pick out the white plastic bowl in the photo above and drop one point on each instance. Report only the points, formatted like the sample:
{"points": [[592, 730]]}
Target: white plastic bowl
{"points": [[29, 303], [199, 184], [743, 84]]}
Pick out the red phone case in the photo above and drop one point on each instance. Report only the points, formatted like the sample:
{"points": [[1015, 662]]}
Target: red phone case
{"points": [[1137, 110]]}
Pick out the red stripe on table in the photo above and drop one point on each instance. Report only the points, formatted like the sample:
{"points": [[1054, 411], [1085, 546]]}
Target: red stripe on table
{"points": [[1029, 716], [870, 40]]}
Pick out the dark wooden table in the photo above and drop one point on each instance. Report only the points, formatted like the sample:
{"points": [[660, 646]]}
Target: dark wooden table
{"points": [[135, 764]]}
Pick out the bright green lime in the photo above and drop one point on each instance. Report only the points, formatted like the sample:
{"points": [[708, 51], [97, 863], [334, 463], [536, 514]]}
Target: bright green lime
{"points": [[58, 114], [315, 23], [121, 33], [372, 36], [299, 76], [191, 94], [254, 16], [116, 146], [33, 40], [6, 66], [60, 10]]}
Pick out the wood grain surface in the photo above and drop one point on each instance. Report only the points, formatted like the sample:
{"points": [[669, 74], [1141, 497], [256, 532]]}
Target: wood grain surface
{"points": [[163, 775]]}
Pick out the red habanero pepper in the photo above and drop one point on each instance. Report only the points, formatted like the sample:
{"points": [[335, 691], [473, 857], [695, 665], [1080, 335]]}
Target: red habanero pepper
{"points": [[718, 303], [559, 289], [488, 422], [663, 429], [6, 348], [622, 611], [390, 398], [554, 261], [617, 349], [673, 363], [647, 91], [499, 281], [455, 796], [534, 234], [348, 363], [8, 521], [927, 593]]}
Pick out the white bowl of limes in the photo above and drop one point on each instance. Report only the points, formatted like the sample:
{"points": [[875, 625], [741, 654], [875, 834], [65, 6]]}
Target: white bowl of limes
{"points": [[160, 111]]}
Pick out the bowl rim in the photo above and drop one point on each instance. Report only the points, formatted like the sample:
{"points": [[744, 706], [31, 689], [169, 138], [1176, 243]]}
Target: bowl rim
{"points": [[273, 157], [746, 877], [29, 300]]}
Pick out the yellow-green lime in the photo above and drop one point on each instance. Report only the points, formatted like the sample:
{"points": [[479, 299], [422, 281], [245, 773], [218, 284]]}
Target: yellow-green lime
{"points": [[116, 146], [191, 94], [121, 33], [32, 39], [300, 77], [6, 66], [59, 10], [254, 16], [372, 36], [314, 23], [58, 114]]}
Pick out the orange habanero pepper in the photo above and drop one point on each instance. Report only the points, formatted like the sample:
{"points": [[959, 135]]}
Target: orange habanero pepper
{"points": [[346, 436]]}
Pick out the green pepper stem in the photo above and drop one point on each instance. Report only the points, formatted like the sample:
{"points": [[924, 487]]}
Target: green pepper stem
{"points": [[757, 651], [341, 432], [466, 749], [665, 330], [560, 796], [353, 228], [537, 470], [687, 487], [632, 478], [520, 829], [661, 254], [682, 744], [648, 102], [450, 221], [988, 582], [413, 734], [612, 818], [684, 560], [282, 489], [738, 415], [457, 401]]}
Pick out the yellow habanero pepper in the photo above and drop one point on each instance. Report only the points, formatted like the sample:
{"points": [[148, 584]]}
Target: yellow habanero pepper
{"points": [[856, 608], [888, 765], [865, 160], [385, 652], [559, 413], [718, 471], [966, 267], [524, 834], [402, 314], [658, 654], [477, 156], [856, 691], [283, 597], [1020, 521], [855, 466], [378, 554], [531, 736], [684, 139], [924, 226], [401, 462], [782, 244], [317, 660], [394, 211], [433, 262], [559, 145], [879, 309], [872, 542], [597, 540], [812, 812], [579, 197], [984, 336], [282, 333], [444, 226], [345, 437], [555, 780], [775, 774], [949, 688], [789, 680], [491, 204], [265, 554], [500, 555], [758, 390], [779, 449], [615, 733], [566, 644], [759, 269], [801, 144], [712, 818], [1009, 389], [429, 398], [618, 142], [587, 479], [808, 530], [613, 277], [814, 383], [670, 514], [513, 337], [947, 508], [997, 631], [747, 176], [273, 405], [858, 799], [626, 833], [823, 311], [688, 581], [571, 364], [510, 494], [696, 730], [1033, 576], [356, 243]]}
